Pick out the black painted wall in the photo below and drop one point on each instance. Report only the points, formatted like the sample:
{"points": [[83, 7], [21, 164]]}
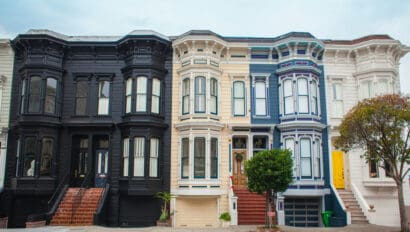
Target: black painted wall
{"points": [[115, 61]]}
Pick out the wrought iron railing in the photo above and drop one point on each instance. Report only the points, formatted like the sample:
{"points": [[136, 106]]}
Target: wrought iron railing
{"points": [[56, 198], [100, 213]]}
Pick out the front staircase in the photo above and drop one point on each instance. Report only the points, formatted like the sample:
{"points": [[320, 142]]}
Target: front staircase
{"points": [[251, 207], [78, 207], [353, 207]]}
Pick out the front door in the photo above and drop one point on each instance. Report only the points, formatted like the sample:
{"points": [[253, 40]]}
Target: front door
{"points": [[239, 155], [101, 171], [80, 161], [338, 169]]}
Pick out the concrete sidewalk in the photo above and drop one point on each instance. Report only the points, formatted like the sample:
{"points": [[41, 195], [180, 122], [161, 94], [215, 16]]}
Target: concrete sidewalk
{"points": [[252, 228]]}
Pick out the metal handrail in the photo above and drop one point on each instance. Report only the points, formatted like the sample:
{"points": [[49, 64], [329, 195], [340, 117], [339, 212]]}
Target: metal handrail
{"points": [[101, 204], [56, 198], [85, 183]]}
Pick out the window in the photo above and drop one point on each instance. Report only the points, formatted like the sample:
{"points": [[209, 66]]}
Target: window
{"points": [[313, 92], [81, 98], [260, 98], [29, 159], [200, 94], [337, 103], [239, 98], [366, 89], [373, 168], [199, 158], [141, 102], [305, 158], [125, 155], [34, 95], [288, 97], [185, 158], [153, 160], [103, 97], [51, 95], [214, 158], [260, 143], [214, 96], [185, 96], [317, 163], [303, 97], [46, 156], [23, 96], [383, 87], [290, 144], [128, 95], [156, 94], [139, 150], [387, 169]]}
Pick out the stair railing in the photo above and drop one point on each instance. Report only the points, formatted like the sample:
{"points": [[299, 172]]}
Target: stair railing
{"points": [[56, 198], [342, 204], [79, 196], [233, 204], [101, 206]]}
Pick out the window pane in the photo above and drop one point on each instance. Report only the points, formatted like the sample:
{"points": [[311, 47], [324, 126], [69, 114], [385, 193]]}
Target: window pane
{"points": [[103, 97], [290, 144], [51, 93], [103, 104], [185, 158], [156, 92], [214, 158], [337, 91], [139, 150], [305, 148], [104, 89], [260, 90], [199, 158], [125, 155], [305, 158], [29, 156], [302, 86], [260, 107], [141, 103], [383, 87], [303, 104], [153, 163], [289, 109], [156, 87], [305, 167], [239, 90], [200, 94], [81, 98], [239, 106], [287, 88], [141, 85], [23, 96], [317, 163], [214, 96], [34, 100], [141, 94], [200, 103], [185, 96], [46, 156]]}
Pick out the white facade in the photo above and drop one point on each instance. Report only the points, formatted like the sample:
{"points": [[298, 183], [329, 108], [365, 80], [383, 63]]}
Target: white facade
{"points": [[355, 70], [6, 70]]}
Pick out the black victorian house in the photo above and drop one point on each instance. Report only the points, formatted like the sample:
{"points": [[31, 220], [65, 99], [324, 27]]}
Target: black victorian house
{"points": [[88, 113]]}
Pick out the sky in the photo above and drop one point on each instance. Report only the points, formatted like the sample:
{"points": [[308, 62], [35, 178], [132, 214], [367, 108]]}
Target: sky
{"points": [[326, 19]]}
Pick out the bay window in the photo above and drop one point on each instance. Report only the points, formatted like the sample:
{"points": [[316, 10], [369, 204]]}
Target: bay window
{"points": [[141, 94], [313, 92], [125, 155], [128, 95], [288, 96], [239, 98], [200, 94], [34, 95], [303, 97], [305, 158], [153, 160], [185, 158], [185, 96], [51, 96], [214, 158], [214, 96], [290, 145], [156, 94], [199, 157], [139, 154]]}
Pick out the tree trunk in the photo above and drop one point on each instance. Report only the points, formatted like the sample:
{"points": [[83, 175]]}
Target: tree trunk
{"points": [[403, 217]]}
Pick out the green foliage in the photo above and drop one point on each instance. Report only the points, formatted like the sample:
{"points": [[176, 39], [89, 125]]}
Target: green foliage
{"points": [[381, 125], [166, 198], [270, 169], [225, 216]]}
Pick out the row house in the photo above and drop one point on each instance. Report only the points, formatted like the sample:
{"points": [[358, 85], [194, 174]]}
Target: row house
{"points": [[236, 96], [6, 70], [355, 70], [89, 124]]}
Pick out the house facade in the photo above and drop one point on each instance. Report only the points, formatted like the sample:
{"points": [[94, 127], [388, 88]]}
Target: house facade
{"points": [[355, 70], [89, 112], [6, 70]]}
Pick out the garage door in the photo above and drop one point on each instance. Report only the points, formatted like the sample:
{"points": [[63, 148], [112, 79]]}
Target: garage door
{"points": [[302, 212], [196, 212]]}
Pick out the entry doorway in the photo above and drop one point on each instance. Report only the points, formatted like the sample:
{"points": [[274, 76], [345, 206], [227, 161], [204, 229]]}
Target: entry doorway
{"points": [[239, 155], [89, 161]]}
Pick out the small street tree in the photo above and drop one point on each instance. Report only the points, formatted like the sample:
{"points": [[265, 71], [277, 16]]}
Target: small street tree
{"points": [[269, 171], [381, 126]]}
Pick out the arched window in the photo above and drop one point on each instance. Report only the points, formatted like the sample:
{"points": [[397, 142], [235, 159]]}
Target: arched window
{"points": [[200, 94], [288, 97], [156, 95], [141, 94], [34, 95], [51, 96], [303, 96], [214, 96], [185, 96], [238, 98]]}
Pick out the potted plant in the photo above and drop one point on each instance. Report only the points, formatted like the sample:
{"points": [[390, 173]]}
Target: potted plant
{"points": [[164, 218], [225, 218]]}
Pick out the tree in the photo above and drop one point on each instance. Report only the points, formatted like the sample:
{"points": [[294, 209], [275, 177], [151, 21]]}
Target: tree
{"points": [[166, 198], [381, 126], [269, 171]]}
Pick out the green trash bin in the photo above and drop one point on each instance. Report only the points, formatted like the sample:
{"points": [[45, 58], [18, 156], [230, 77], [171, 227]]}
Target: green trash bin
{"points": [[326, 217]]}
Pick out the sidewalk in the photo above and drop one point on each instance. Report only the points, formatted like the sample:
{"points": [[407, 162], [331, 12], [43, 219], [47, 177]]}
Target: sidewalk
{"points": [[350, 228]]}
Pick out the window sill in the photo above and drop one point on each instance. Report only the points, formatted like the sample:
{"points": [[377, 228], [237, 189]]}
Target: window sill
{"points": [[199, 116]]}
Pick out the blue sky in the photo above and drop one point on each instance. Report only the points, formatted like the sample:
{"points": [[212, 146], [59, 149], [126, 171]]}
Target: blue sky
{"points": [[331, 19]]}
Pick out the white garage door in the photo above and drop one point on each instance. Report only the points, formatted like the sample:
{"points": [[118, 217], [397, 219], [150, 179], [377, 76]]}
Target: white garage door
{"points": [[196, 212]]}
